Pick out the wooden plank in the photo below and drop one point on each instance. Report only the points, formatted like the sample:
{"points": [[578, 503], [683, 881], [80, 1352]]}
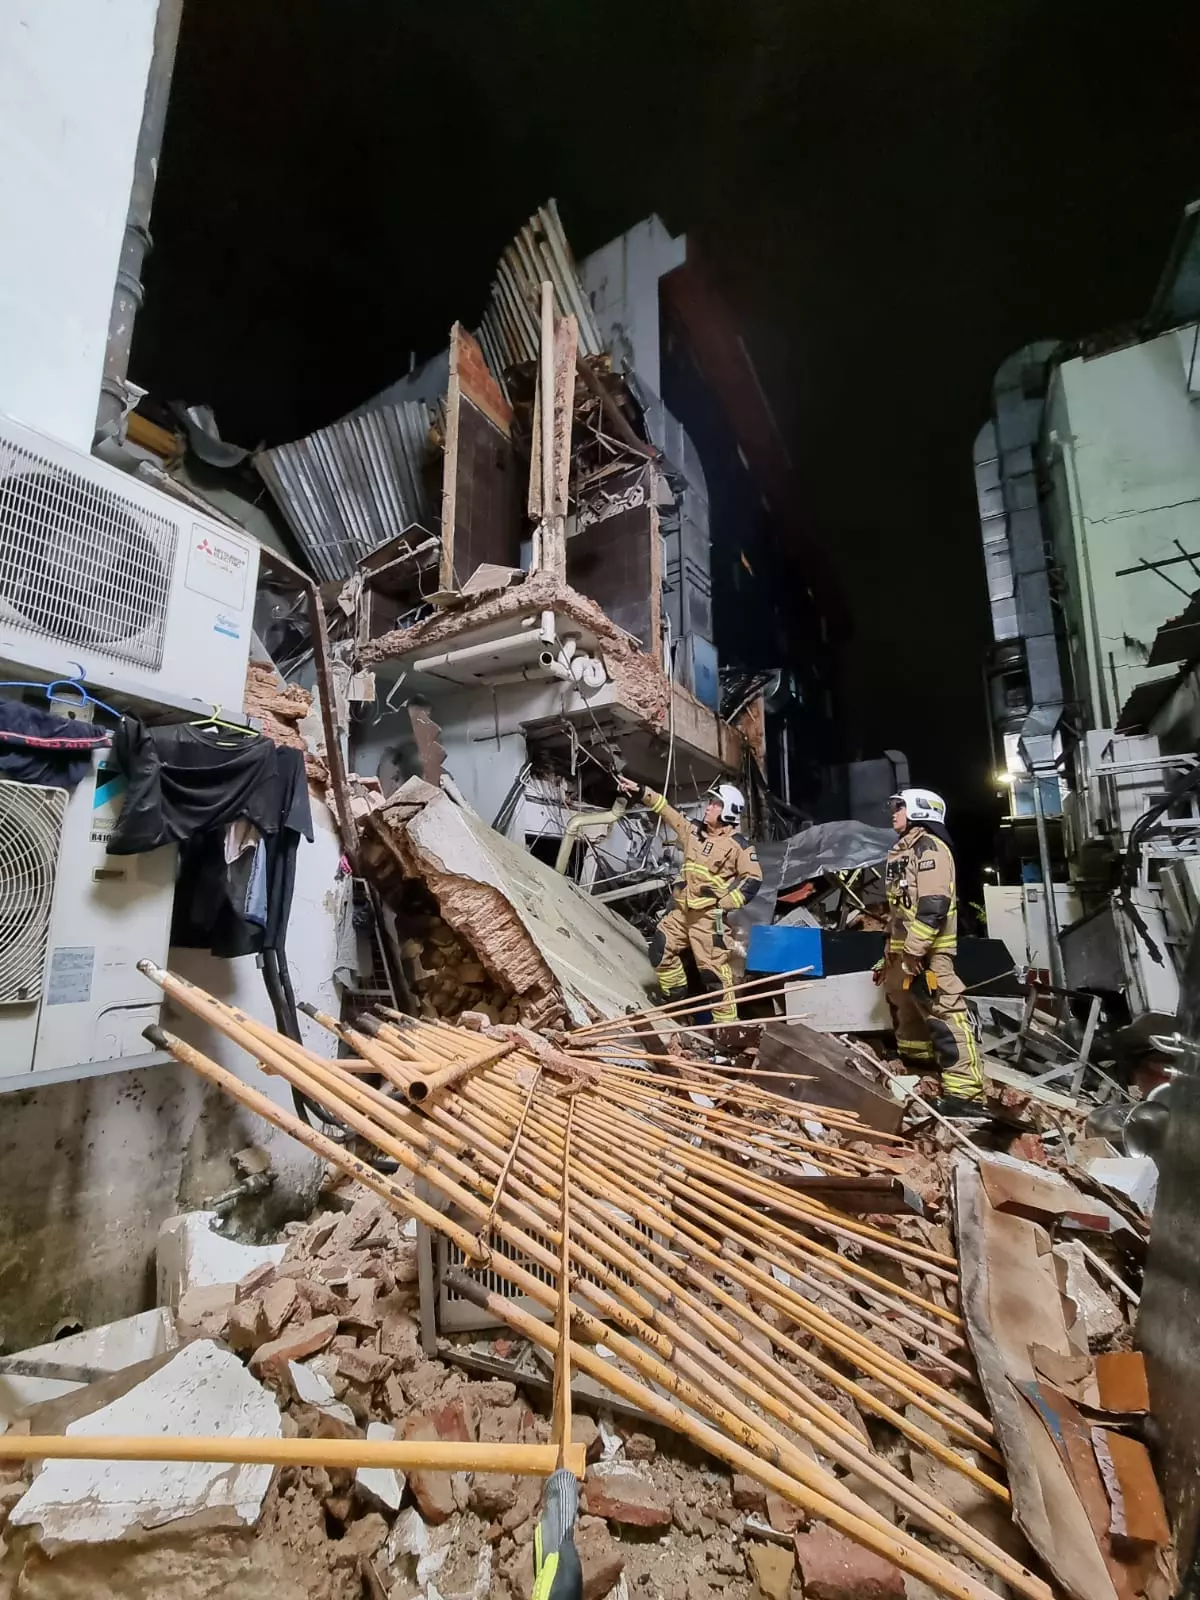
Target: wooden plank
{"points": [[1137, 1511], [1122, 1381], [834, 1081], [1011, 1302]]}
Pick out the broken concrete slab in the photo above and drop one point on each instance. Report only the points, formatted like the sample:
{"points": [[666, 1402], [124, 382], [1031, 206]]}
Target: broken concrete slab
{"points": [[190, 1255], [103, 1350], [531, 927], [847, 1002], [204, 1389], [1133, 1176]]}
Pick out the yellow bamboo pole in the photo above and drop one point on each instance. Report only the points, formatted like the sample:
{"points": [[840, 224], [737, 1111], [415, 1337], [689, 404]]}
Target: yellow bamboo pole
{"points": [[895, 1548], [642, 1359], [432, 1455], [498, 1190], [945, 1408], [670, 1007], [845, 1268], [561, 1431], [819, 1215], [635, 1247], [531, 1285]]}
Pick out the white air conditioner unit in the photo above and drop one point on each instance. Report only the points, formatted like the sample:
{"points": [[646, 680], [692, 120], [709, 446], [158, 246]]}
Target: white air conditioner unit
{"points": [[74, 922], [97, 569]]}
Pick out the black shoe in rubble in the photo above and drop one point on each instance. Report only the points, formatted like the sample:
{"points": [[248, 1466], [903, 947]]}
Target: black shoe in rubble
{"points": [[953, 1105]]}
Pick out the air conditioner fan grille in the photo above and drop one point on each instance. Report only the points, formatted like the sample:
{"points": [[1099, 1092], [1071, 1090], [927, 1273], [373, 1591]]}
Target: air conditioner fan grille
{"points": [[31, 820], [79, 562]]}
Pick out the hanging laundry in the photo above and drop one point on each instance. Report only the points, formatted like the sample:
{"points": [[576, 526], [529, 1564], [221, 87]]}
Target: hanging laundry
{"points": [[238, 807], [38, 747], [185, 780]]}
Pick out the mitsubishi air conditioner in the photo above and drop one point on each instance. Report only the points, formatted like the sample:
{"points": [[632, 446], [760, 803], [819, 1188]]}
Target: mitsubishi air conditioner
{"points": [[99, 570], [74, 922]]}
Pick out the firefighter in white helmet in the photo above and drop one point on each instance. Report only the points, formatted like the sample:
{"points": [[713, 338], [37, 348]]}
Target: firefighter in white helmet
{"points": [[934, 1030], [720, 873]]}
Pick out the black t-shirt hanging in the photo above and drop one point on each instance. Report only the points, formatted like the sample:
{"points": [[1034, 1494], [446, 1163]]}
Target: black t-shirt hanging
{"points": [[211, 893], [182, 781]]}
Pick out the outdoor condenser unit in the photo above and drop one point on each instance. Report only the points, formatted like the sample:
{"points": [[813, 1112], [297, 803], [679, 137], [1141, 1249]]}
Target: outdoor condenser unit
{"points": [[99, 570], [74, 922]]}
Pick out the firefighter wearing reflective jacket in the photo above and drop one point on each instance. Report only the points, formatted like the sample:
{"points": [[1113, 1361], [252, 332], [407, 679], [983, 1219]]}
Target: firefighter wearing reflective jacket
{"points": [[933, 1026], [720, 873]]}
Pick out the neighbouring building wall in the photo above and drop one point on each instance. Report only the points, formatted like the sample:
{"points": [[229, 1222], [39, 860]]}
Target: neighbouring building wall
{"points": [[90, 1170], [73, 79], [1123, 442], [621, 282]]}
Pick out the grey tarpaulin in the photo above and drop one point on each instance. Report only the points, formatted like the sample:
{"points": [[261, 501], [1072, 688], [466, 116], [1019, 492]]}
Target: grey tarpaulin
{"points": [[833, 847], [825, 847]]}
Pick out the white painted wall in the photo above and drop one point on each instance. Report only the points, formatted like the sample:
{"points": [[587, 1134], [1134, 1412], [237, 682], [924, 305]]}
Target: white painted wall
{"points": [[72, 84], [1127, 438], [90, 1170]]}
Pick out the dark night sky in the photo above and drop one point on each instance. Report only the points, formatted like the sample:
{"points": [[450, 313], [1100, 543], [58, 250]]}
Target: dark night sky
{"points": [[895, 195]]}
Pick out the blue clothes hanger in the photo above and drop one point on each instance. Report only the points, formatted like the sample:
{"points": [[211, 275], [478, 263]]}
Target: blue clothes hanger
{"points": [[76, 683]]}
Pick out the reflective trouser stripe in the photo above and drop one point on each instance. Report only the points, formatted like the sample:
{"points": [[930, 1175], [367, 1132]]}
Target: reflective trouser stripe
{"points": [[671, 975], [915, 1049], [726, 1009], [964, 1077]]}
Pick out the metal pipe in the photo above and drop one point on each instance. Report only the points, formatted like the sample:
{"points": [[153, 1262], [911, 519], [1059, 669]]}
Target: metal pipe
{"points": [[585, 819], [136, 242], [1043, 838], [474, 652]]}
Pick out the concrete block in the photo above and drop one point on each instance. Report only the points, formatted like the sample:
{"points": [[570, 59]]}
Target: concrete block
{"points": [[189, 1255]]}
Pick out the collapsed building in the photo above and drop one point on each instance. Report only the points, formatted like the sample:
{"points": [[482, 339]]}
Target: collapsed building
{"points": [[350, 1185]]}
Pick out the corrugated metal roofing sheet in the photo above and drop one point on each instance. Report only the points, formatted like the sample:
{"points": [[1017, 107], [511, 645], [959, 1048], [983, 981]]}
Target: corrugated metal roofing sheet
{"points": [[347, 488], [509, 331]]}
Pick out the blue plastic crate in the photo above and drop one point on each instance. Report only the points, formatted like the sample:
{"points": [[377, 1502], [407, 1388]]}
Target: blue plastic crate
{"points": [[776, 949]]}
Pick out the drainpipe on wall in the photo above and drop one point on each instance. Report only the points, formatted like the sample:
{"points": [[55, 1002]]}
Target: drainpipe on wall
{"points": [[135, 244], [1065, 446], [585, 819]]}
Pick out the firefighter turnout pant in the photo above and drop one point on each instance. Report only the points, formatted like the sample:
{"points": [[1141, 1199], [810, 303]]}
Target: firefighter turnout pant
{"points": [[703, 932], [935, 1033]]}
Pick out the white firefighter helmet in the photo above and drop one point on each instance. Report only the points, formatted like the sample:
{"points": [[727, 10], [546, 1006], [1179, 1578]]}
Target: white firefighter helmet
{"points": [[732, 801], [922, 805]]}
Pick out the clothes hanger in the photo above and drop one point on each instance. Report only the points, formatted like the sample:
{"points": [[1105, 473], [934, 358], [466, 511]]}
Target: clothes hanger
{"points": [[216, 721], [76, 683]]}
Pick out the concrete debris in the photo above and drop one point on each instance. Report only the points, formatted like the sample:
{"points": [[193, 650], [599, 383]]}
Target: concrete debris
{"points": [[201, 1390], [833, 1568], [547, 944], [1134, 1176], [773, 1571], [1096, 1317], [98, 1351], [190, 1255], [381, 1485]]}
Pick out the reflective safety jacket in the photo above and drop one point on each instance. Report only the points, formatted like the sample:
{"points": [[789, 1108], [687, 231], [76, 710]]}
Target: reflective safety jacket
{"points": [[720, 870], [921, 896]]}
